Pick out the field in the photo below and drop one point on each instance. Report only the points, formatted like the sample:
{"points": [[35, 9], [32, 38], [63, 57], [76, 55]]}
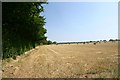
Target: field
{"points": [[66, 61]]}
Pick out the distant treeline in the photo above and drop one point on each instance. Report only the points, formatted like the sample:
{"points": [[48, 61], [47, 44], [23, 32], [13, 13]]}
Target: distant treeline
{"points": [[22, 27], [84, 42]]}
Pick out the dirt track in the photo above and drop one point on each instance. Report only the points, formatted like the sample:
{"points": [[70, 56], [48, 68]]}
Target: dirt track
{"points": [[54, 61]]}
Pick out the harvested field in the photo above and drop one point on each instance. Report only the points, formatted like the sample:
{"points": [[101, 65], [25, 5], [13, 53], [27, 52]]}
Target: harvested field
{"points": [[65, 61]]}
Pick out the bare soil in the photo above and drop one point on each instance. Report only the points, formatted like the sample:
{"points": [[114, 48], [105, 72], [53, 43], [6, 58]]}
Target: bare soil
{"points": [[65, 61]]}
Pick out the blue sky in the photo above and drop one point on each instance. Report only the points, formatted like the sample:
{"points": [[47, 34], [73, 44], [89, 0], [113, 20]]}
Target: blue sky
{"points": [[81, 21]]}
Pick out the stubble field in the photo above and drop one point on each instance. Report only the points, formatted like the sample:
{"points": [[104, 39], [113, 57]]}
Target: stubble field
{"points": [[65, 61]]}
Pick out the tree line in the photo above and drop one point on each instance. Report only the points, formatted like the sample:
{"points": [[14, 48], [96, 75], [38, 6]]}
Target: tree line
{"points": [[22, 27], [84, 42]]}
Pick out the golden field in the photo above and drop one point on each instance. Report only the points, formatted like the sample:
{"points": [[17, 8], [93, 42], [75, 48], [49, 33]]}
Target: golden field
{"points": [[65, 61]]}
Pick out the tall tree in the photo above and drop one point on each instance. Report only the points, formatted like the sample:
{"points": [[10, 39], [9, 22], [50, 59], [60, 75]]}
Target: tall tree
{"points": [[22, 27]]}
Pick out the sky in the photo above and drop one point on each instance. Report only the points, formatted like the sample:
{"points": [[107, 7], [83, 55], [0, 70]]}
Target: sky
{"points": [[81, 21]]}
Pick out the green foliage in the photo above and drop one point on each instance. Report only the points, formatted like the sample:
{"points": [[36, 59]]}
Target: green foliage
{"points": [[22, 27], [54, 42], [111, 40], [49, 42]]}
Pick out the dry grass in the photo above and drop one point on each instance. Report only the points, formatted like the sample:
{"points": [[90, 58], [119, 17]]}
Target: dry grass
{"points": [[73, 61]]}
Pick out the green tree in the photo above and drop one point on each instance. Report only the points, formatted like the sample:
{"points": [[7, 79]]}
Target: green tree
{"points": [[54, 42], [49, 42], [22, 27]]}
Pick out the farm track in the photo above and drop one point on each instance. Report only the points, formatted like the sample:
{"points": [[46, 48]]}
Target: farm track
{"points": [[65, 61]]}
